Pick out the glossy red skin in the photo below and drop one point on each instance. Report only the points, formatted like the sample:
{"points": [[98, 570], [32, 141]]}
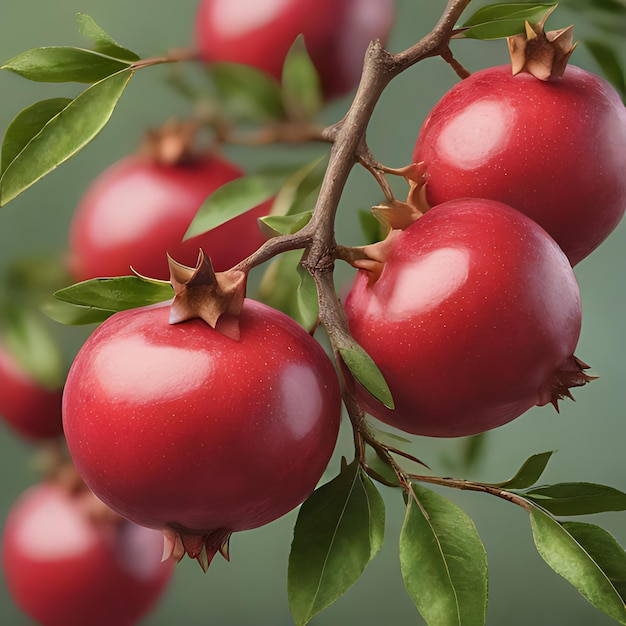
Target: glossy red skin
{"points": [[137, 211], [336, 33], [178, 426], [553, 150], [31, 409], [474, 312], [62, 569]]}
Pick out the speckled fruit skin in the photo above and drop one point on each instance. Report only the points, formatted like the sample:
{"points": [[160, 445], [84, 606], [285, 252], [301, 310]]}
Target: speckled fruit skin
{"points": [[553, 150], [137, 211], [178, 426], [62, 569], [29, 408], [474, 312], [336, 33]]}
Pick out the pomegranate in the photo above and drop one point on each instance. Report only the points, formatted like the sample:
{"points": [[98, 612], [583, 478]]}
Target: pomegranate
{"points": [[336, 34], [473, 320], [181, 428], [552, 149]]}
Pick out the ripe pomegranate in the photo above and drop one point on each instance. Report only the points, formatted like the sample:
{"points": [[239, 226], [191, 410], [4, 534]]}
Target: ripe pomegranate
{"points": [[551, 149], [336, 34], [138, 211], [31, 409], [64, 568], [181, 428], [473, 320]]}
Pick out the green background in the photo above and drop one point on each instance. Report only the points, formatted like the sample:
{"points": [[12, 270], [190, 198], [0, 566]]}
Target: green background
{"points": [[589, 434]]}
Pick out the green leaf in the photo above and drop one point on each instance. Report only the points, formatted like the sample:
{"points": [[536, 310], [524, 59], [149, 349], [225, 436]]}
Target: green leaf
{"points": [[117, 294], [497, 21], [372, 229], [103, 42], [280, 282], [306, 296], [301, 87], [577, 498], [295, 196], [603, 549], [339, 530], [74, 315], [246, 93], [607, 58], [285, 224], [26, 125], [529, 473], [31, 344], [581, 563], [233, 199], [64, 135], [443, 561], [64, 64], [366, 372]]}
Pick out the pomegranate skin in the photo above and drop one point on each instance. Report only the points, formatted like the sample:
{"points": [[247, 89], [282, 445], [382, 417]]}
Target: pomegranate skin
{"points": [[30, 409], [336, 33], [553, 150], [138, 210], [63, 569], [473, 316], [179, 427]]}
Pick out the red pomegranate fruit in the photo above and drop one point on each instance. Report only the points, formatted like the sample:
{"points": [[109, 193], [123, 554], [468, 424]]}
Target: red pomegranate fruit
{"points": [[137, 212], [553, 149], [336, 34], [181, 428], [473, 320], [28, 407], [63, 568]]}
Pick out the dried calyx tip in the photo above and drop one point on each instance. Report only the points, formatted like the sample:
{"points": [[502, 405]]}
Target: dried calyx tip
{"points": [[200, 292], [172, 143], [543, 54], [571, 374], [202, 547]]}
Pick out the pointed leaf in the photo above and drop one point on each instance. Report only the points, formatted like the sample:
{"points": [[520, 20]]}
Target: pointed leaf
{"points": [[339, 530], [569, 558], [117, 294], [301, 88], [63, 136], [32, 346], [233, 199], [603, 548], [296, 193], [280, 283], [529, 473], [64, 64], [307, 300], [497, 21], [247, 93], [285, 224], [26, 125], [443, 561], [577, 498], [103, 42], [366, 372], [74, 315]]}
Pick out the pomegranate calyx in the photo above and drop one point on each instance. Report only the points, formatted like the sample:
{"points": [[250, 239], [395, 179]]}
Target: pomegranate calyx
{"points": [[202, 547], [570, 374], [215, 297], [372, 257], [394, 214], [171, 144], [543, 54]]}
